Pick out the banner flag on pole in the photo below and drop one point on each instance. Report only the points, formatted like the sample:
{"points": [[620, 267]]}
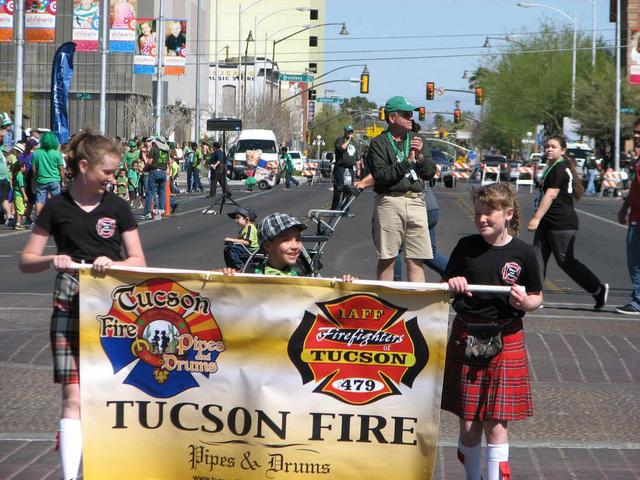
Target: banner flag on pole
{"points": [[61, 74], [6, 20], [40, 20], [175, 47], [195, 375], [86, 25], [122, 34], [144, 61]]}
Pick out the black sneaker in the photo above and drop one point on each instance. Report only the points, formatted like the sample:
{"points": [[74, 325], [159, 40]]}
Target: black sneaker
{"points": [[601, 296], [628, 309]]}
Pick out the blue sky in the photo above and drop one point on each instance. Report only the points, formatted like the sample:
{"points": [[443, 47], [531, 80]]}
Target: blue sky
{"points": [[433, 24]]}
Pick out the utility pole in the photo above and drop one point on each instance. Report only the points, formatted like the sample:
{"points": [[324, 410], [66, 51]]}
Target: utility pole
{"points": [[160, 51], [17, 109], [616, 152], [197, 123], [104, 51]]}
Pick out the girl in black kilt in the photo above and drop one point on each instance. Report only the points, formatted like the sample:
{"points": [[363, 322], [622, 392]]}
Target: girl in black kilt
{"points": [[89, 225], [486, 380]]}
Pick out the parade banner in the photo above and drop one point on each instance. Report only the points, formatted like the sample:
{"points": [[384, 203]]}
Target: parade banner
{"points": [[202, 376], [144, 62], [40, 20], [122, 34], [61, 75], [6, 20], [175, 43], [86, 25]]}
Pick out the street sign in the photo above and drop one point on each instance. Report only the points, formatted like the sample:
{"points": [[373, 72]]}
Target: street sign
{"points": [[627, 110], [83, 96], [337, 100], [295, 77]]}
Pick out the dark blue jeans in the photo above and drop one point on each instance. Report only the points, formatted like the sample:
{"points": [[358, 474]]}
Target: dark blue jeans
{"points": [[439, 261], [288, 179], [235, 255], [633, 262], [155, 189], [189, 169]]}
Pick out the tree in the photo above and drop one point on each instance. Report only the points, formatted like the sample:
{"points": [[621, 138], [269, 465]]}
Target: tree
{"points": [[529, 83], [329, 124], [140, 115], [360, 109]]}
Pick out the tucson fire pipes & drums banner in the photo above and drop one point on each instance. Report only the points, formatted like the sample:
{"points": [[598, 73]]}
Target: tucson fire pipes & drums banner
{"points": [[188, 375]]}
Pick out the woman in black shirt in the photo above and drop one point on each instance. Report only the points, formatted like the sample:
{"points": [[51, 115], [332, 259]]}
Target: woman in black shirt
{"points": [[556, 221], [89, 225]]}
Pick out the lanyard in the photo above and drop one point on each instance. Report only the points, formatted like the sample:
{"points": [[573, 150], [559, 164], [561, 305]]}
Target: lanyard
{"points": [[546, 172], [407, 143]]}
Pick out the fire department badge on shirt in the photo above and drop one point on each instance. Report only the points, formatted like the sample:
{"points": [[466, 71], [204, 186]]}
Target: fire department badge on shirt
{"points": [[511, 272], [358, 349], [106, 227]]}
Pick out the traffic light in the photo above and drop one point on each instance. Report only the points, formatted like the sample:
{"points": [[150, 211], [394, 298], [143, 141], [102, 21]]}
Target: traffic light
{"points": [[311, 94], [381, 113], [364, 83], [456, 116], [422, 113], [431, 90], [479, 95]]}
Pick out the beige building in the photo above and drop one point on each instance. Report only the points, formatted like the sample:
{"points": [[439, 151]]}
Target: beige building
{"points": [[244, 73]]}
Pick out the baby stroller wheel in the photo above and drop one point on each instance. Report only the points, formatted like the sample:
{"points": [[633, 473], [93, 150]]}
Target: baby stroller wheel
{"points": [[263, 185]]}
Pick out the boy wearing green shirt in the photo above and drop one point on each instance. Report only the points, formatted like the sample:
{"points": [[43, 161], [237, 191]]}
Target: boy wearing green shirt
{"points": [[280, 236], [19, 193]]}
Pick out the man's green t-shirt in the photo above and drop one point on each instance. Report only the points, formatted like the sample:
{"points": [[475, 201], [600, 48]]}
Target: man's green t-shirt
{"points": [[250, 233], [48, 164], [288, 162], [160, 158], [4, 168], [131, 157]]}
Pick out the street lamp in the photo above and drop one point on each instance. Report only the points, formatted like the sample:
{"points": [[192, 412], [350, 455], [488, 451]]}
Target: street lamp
{"points": [[240, 12], [506, 38], [343, 31], [575, 35], [593, 33], [244, 80], [257, 22]]}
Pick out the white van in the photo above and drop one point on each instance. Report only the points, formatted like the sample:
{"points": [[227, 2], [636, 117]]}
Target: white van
{"points": [[264, 140], [582, 151]]}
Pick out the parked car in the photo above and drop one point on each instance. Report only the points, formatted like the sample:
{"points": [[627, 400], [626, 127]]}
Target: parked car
{"points": [[298, 159], [326, 163], [446, 168], [264, 140]]}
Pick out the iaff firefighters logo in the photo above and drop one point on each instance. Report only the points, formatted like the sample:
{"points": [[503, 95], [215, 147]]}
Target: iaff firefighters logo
{"points": [[358, 349], [165, 331], [511, 272]]}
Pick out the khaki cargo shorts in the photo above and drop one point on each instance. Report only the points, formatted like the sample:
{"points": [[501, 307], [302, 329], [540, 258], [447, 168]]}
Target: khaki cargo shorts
{"points": [[401, 219]]}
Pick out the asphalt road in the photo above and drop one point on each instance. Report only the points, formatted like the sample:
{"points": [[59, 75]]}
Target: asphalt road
{"points": [[585, 365]]}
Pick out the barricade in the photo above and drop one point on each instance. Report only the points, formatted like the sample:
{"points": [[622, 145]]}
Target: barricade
{"points": [[461, 171], [612, 181], [525, 177], [486, 170], [309, 171]]}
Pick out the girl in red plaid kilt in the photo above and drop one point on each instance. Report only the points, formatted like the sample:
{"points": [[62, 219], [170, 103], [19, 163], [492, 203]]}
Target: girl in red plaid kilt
{"points": [[484, 385], [89, 225]]}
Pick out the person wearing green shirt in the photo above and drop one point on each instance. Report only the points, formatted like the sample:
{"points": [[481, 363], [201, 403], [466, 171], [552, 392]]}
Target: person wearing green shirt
{"points": [[131, 156], [288, 168], [19, 193], [238, 249], [48, 169], [196, 167], [5, 185]]}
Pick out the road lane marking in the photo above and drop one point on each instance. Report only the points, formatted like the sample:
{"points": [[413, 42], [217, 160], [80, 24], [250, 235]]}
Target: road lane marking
{"points": [[606, 220]]}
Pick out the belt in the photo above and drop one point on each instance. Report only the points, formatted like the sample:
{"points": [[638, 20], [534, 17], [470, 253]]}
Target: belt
{"points": [[405, 194]]}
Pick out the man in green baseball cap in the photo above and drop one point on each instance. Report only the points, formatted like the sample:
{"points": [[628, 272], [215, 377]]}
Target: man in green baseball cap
{"points": [[399, 168], [346, 155], [6, 125]]}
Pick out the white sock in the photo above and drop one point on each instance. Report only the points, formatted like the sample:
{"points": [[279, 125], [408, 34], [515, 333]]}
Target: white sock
{"points": [[70, 447], [498, 462], [470, 458]]}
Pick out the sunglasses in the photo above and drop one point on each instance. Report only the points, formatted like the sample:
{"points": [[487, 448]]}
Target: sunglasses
{"points": [[406, 115]]}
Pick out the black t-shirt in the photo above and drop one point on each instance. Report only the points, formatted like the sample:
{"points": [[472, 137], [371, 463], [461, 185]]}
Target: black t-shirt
{"points": [[84, 236], [217, 156], [348, 156], [561, 214], [484, 264]]}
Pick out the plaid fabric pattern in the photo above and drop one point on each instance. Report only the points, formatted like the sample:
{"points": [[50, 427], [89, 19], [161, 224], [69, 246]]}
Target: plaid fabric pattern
{"points": [[64, 331], [273, 225], [497, 389]]}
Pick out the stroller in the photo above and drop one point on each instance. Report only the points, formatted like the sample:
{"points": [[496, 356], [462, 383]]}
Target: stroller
{"points": [[325, 221]]}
